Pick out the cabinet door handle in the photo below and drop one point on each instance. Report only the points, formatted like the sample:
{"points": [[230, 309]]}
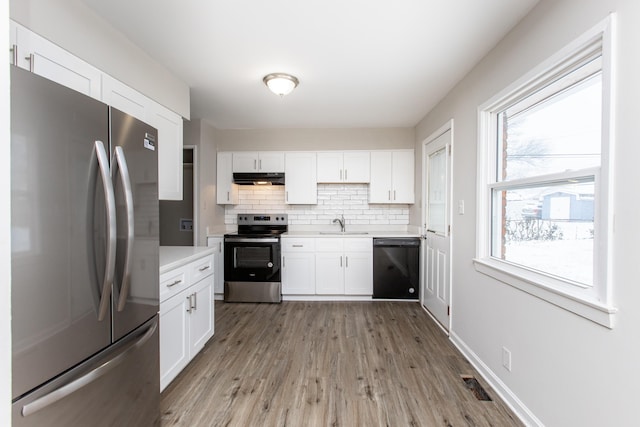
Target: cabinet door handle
{"points": [[174, 283], [394, 195], [389, 194], [220, 246], [195, 300], [340, 174], [255, 165], [286, 195], [346, 261], [340, 260], [32, 61], [206, 267], [283, 264], [260, 164], [14, 50], [345, 174], [228, 196]]}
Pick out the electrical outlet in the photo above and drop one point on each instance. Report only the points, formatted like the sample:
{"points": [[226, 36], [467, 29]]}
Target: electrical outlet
{"points": [[506, 358]]}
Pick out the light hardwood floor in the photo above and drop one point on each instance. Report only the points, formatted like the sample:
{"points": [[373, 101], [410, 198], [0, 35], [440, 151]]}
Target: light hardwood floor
{"points": [[328, 364]]}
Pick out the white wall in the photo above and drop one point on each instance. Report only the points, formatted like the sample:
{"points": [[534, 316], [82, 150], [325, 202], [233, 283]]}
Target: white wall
{"points": [[315, 139], [568, 371], [210, 215], [5, 229], [75, 27]]}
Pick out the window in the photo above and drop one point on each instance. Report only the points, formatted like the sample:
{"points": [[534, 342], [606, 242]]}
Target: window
{"points": [[544, 185]]}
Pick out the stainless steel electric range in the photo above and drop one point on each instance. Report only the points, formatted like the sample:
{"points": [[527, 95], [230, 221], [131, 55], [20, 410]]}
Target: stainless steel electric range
{"points": [[252, 259]]}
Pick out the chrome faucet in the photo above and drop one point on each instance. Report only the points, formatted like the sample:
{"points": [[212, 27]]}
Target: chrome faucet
{"points": [[341, 221]]}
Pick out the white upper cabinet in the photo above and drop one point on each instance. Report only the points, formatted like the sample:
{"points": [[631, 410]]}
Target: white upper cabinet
{"points": [[226, 190], [124, 98], [343, 167], [300, 178], [392, 177], [35, 53], [265, 161], [169, 126]]}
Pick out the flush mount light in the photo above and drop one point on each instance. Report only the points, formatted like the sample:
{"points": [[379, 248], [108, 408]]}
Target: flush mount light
{"points": [[280, 83]]}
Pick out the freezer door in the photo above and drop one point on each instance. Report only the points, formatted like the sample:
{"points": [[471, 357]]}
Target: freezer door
{"points": [[118, 387], [57, 203], [134, 168]]}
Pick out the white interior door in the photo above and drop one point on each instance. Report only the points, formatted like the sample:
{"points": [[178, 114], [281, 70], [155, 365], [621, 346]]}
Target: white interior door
{"points": [[436, 294]]}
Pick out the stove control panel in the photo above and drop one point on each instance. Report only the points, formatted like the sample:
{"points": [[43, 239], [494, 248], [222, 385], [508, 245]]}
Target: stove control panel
{"points": [[263, 219]]}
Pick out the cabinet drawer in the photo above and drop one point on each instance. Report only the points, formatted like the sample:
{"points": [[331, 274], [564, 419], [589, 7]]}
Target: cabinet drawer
{"points": [[358, 244], [172, 282], [298, 245], [201, 268], [329, 244]]}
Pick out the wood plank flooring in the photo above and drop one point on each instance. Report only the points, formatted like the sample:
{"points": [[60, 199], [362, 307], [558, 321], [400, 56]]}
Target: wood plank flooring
{"points": [[328, 364]]}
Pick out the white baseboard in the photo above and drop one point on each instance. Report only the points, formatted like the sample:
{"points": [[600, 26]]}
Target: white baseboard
{"points": [[516, 405], [326, 298]]}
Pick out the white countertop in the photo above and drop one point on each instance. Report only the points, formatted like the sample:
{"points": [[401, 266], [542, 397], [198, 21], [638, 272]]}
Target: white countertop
{"points": [[293, 234], [176, 256]]}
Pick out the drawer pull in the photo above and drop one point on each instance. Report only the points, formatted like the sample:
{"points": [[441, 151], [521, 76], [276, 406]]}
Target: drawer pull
{"points": [[174, 283], [206, 267], [298, 246]]}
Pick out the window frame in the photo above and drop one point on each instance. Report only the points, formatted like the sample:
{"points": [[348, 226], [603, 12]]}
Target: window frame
{"points": [[592, 302]]}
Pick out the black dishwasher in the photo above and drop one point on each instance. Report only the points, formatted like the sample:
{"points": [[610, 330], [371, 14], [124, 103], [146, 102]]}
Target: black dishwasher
{"points": [[396, 268]]}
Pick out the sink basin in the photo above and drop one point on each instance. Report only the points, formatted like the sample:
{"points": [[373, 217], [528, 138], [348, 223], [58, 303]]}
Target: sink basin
{"points": [[343, 233]]}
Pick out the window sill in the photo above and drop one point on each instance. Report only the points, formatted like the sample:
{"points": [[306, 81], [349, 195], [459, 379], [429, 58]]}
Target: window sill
{"points": [[520, 279]]}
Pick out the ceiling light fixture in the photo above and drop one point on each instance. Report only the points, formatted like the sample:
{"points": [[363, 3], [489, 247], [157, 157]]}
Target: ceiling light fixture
{"points": [[280, 83]]}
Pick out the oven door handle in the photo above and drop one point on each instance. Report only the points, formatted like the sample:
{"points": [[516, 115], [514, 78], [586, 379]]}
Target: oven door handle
{"points": [[251, 240]]}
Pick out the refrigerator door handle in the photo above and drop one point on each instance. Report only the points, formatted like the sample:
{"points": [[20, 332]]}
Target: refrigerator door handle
{"points": [[110, 202], [88, 378], [119, 164]]}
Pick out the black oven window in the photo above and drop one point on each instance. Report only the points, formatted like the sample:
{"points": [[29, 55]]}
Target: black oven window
{"points": [[252, 257]]}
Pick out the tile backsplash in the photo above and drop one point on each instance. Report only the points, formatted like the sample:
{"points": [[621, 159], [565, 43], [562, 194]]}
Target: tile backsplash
{"points": [[334, 200]]}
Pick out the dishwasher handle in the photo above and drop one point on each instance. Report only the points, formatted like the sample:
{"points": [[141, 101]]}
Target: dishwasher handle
{"points": [[397, 242]]}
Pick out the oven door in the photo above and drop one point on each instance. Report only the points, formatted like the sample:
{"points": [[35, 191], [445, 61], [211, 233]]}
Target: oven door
{"points": [[251, 259]]}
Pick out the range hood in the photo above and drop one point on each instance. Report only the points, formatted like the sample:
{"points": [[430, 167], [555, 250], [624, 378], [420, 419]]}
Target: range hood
{"points": [[258, 178]]}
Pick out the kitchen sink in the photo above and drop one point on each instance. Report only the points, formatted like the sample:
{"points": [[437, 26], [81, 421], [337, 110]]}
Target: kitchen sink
{"points": [[343, 233]]}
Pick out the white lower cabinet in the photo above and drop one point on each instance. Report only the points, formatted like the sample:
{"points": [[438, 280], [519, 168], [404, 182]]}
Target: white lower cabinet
{"points": [[298, 266], [344, 266], [186, 315], [217, 243], [330, 266], [330, 273]]}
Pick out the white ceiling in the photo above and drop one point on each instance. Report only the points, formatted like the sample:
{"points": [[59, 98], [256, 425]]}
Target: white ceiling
{"points": [[361, 63]]}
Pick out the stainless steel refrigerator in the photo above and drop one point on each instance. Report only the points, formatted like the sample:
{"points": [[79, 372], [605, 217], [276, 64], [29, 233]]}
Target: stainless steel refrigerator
{"points": [[84, 241]]}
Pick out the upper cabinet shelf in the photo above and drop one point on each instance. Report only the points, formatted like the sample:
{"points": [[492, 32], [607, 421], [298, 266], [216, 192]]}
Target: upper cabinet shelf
{"points": [[40, 56]]}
